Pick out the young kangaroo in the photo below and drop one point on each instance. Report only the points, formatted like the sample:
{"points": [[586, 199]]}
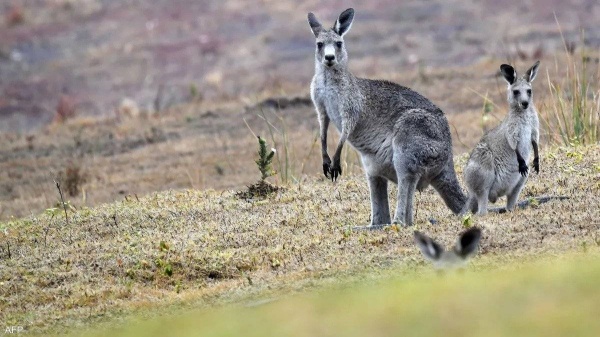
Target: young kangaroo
{"points": [[465, 248], [401, 136], [498, 164]]}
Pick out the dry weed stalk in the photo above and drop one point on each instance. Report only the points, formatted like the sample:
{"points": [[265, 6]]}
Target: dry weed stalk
{"points": [[64, 205]]}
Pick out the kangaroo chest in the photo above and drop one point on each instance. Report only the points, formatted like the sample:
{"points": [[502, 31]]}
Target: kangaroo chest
{"points": [[331, 107], [344, 104], [519, 132], [333, 99]]}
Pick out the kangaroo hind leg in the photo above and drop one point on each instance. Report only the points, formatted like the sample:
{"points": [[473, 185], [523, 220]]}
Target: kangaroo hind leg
{"points": [[513, 196], [407, 184], [380, 208], [480, 182]]}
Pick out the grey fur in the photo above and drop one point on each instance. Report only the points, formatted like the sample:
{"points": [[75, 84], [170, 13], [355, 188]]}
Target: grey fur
{"points": [[401, 136], [498, 164], [465, 248]]}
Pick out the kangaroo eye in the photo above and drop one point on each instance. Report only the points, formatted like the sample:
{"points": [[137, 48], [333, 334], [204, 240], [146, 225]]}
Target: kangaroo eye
{"points": [[339, 44], [516, 92], [529, 92], [319, 45]]}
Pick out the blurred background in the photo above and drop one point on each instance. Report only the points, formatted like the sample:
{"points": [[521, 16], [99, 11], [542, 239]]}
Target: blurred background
{"points": [[116, 98]]}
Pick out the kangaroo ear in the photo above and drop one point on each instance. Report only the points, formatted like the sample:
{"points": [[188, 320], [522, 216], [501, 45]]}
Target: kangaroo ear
{"points": [[429, 248], [509, 73], [468, 242], [315, 25], [532, 72], [343, 23]]}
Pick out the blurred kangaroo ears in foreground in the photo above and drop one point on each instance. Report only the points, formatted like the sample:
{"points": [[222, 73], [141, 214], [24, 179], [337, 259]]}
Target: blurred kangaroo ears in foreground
{"points": [[429, 248], [468, 243], [466, 246]]}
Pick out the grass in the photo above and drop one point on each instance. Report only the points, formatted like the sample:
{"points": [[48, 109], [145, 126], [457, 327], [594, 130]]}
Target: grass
{"points": [[572, 115], [286, 168], [557, 298], [206, 248]]}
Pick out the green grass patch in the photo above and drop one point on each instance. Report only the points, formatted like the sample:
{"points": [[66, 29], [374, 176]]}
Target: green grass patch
{"points": [[552, 298]]}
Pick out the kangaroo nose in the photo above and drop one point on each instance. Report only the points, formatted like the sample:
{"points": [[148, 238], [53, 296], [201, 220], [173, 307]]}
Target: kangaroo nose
{"points": [[329, 57], [524, 105]]}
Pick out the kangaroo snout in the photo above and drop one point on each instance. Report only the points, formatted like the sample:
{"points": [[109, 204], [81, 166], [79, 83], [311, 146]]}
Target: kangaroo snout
{"points": [[329, 60], [524, 104]]}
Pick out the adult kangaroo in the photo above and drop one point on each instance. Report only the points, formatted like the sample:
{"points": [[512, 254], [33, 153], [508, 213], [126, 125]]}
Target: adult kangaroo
{"points": [[401, 136]]}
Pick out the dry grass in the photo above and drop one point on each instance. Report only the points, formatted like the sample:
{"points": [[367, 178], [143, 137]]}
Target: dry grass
{"points": [[207, 247], [571, 115]]}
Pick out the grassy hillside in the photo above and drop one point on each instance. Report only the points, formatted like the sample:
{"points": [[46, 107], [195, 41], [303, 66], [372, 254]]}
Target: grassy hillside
{"points": [[203, 145], [181, 249]]}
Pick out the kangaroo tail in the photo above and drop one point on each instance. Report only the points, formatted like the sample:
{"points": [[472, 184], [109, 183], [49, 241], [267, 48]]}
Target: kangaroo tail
{"points": [[446, 184], [534, 201]]}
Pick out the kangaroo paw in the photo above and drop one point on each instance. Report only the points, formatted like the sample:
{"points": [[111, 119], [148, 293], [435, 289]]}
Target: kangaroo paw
{"points": [[326, 167], [523, 169], [335, 170]]}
